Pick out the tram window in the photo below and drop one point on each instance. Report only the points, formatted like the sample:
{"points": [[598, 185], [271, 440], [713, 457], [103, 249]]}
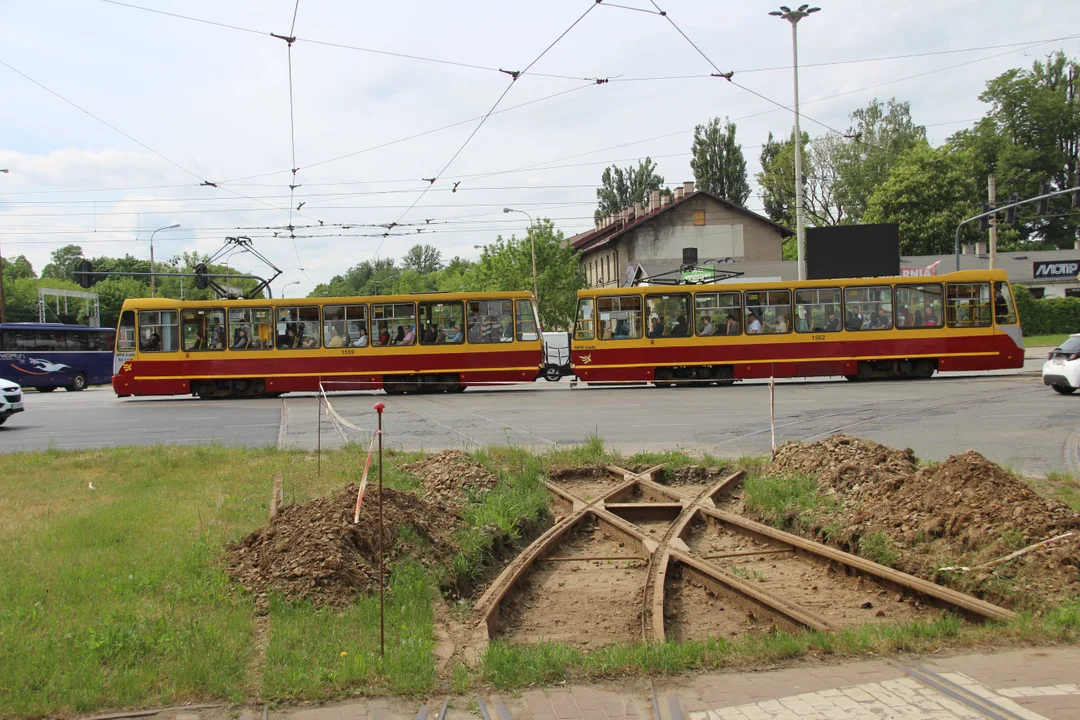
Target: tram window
{"points": [[203, 330], [345, 326], [393, 324], [583, 325], [868, 308], [490, 321], [967, 304], [817, 310], [718, 313], [669, 315], [620, 317], [251, 329], [442, 323], [158, 331], [1004, 306], [918, 306], [125, 337], [297, 328], [526, 321], [768, 312]]}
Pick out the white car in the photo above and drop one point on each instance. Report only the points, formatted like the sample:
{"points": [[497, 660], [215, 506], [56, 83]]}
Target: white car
{"points": [[1061, 370], [11, 400]]}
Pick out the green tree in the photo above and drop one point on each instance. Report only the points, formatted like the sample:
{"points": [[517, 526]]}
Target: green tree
{"points": [[112, 292], [928, 193], [1031, 135], [423, 259], [63, 263], [507, 265], [878, 137], [21, 300], [16, 268], [718, 163], [777, 177], [621, 188]]}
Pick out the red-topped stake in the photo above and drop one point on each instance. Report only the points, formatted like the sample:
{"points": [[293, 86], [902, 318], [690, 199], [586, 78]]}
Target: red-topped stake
{"points": [[379, 407]]}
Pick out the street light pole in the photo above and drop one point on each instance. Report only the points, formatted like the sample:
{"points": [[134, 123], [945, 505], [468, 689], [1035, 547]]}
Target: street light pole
{"points": [[532, 244], [2, 314], [793, 17], [294, 282], [169, 227]]}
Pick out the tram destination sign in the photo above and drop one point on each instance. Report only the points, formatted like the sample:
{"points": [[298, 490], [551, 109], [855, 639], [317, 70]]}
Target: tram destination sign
{"points": [[1055, 269]]}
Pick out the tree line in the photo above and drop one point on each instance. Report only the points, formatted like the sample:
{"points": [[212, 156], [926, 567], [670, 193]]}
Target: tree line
{"points": [[882, 169]]}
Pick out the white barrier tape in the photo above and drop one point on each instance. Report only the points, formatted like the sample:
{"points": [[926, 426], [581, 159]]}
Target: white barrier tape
{"points": [[333, 415], [363, 480]]}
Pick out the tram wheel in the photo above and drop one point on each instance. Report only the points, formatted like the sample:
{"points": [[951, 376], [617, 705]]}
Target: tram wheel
{"points": [[552, 373]]}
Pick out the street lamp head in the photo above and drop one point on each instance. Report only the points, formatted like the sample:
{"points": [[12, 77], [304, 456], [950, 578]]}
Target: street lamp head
{"points": [[173, 227], [785, 8], [777, 13], [812, 10], [3, 170], [508, 210]]}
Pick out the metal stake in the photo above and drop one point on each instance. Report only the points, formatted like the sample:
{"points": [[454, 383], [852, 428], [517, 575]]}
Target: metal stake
{"points": [[379, 407], [772, 410], [318, 398]]}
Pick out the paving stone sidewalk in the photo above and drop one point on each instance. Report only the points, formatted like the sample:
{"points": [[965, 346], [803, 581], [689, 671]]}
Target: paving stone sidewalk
{"points": [[1031, 684]]}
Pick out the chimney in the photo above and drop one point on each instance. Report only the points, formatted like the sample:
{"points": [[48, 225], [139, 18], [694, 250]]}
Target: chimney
{"points": [[688, 187], [654, 201], [639, 210], [678, 193], [666, 199]]}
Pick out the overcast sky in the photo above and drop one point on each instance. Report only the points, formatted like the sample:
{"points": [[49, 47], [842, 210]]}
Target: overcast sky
{"points": [[190, 102]]}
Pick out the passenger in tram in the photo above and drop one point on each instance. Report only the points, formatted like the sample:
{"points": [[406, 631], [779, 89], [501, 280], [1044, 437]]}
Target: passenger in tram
{"points": [[755, 324], [335, 340], [834, 322], [288, 340], [384, 335], [217, 334], [707, 327], [152, 343], [781, 322], [1001, 306], [656, 329], [362, 338], [622, 330], [409, 338], [454, 336], [307, 340], [881, 321], [732, 324], [801, 325], [200, 342], [854, 318], [917, 320], [241, 341], [680, 328], [929, 317], [399, 336]]}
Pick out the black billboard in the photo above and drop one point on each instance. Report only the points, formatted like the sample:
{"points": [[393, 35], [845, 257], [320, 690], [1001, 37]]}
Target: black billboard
{"points": [[1055, 269], [853, 251]]}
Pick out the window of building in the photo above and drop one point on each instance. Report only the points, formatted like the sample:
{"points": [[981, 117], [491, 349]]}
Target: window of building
{"points": [[1037, 292], [1005, 305], [699, 217], [868, 308], [490, 321], [1069, 292], [918, 306], [125, 338], [393, 324], [967, 304], [526, 321], [159, 331], [203, 330], [345, 326], [251, 328], [298, 328], [718, 313], [815, 308], [442, 323], [620, 317], [669, 315], [583, 324], [768, 312]]}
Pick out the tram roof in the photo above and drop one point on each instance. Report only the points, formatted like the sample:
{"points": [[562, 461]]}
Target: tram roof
{"points": [[171, 304]]}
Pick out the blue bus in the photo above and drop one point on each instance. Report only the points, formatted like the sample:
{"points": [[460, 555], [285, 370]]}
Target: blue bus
{"points": [[51, 355]]}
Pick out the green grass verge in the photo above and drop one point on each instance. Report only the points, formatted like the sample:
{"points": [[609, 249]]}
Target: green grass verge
{"points": [[509, 666], [1065, 488], [1044, 340], [784, 500]]}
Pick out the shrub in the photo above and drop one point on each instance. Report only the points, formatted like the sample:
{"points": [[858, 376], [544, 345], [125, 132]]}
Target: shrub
{"points": [[1049, 316]]}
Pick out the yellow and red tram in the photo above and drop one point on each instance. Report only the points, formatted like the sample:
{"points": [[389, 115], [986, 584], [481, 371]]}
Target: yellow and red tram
{"points": [[857, 328], [437, 342]]}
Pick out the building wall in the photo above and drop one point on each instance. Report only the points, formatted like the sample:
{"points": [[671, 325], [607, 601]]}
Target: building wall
{"points": [[660, 241]]}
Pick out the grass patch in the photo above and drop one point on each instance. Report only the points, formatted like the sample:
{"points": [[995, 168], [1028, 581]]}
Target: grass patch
{"points": [[876, 547], [1065, 488], [784, 500], [1044, 340], [316, 654], [508, 666]]}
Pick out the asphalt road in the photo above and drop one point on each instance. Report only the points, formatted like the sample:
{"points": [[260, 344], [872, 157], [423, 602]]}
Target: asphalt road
{"points": [[1011, 418]]}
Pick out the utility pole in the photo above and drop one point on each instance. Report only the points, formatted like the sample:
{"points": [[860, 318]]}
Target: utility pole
{"points": [[2, 316], [992, 190]]}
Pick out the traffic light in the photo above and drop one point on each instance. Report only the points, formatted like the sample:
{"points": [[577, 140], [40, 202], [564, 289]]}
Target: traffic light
{"points": [[1044, 204], [81, 276], [1010, 214], [984, 222], [201, 280]]}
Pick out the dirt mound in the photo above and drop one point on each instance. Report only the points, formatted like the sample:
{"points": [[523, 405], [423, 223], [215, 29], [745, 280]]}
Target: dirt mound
{"points": [[314, 551], [844, 464], [451, 477], [966, 512]]}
